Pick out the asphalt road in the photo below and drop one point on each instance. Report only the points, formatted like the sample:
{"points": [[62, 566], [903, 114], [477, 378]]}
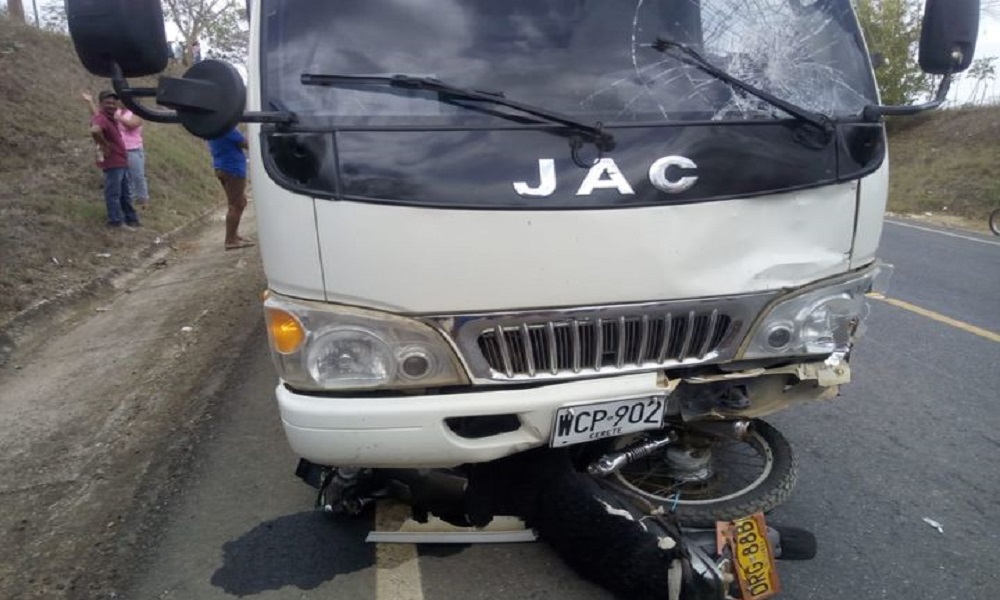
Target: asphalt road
{"points": [[917, 434]]}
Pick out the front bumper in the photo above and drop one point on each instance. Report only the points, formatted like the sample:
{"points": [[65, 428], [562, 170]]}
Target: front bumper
{"points": [[410, 431]]}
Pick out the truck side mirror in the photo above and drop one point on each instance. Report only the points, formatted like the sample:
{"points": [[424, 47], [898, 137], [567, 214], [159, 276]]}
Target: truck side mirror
{"points": [[948, 36], [947, 46], [130, 33], [208, 100], [127, 38]]}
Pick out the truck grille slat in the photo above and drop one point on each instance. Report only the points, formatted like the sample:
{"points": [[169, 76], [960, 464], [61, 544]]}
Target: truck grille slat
{"points": [[577, 344], [623, 339], [709, 334], [688, 336], [508, 366], [640, 356], [599, 345]]}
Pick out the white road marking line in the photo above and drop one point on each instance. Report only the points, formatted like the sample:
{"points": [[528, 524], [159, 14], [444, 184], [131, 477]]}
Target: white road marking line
{"points": [[947, 233], [397, 568], [930, 314]]}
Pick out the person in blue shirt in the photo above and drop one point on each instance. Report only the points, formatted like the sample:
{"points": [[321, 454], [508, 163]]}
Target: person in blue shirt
{"points": [[230, 165]]}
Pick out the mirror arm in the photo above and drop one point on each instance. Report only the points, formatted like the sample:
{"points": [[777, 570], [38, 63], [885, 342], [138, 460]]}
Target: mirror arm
{"points": [[281, 118], [130, 94], [128, 97], [874, 113]]}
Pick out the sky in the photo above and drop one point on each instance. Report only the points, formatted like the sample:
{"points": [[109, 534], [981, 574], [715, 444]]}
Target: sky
{"points": [[988, 45]]}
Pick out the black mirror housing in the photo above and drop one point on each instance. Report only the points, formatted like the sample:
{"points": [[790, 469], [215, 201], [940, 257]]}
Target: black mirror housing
{"points": [[128, 32], [209, 99], [948, 36]]}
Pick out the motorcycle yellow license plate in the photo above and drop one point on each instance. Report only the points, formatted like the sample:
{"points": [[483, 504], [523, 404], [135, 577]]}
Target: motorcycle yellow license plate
{"points": [[752, 555]]}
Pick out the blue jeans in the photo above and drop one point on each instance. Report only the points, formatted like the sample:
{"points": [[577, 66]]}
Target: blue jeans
{"points": [[137, 175], [117, 197]]}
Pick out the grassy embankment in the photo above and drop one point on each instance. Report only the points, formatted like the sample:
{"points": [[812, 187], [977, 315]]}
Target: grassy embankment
{"points": [[51, 204], [945, 163]]}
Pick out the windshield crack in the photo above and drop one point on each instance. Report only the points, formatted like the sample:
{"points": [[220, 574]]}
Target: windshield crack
{"points": [[794, 50]]}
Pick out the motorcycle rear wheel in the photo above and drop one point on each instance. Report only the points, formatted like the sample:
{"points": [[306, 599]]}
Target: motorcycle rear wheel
{"points": [[995, 222], [750, 476]]}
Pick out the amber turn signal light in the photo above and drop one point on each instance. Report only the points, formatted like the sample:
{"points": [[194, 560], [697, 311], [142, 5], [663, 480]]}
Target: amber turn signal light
{"points": [[286, 332]]}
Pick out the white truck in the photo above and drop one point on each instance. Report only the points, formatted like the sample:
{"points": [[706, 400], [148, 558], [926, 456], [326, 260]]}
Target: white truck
{"points": [[621, 231]]}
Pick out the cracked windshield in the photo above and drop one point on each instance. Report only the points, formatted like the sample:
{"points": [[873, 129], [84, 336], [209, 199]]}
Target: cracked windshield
{"points": [[580, 57]]}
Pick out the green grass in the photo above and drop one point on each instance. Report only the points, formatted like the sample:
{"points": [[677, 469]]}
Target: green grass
{"points": [[51, 193], [945, 163]]}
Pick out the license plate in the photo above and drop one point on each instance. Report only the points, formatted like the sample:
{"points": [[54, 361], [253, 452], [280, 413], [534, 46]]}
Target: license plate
{"points": [[752, 556], [587, 422]]}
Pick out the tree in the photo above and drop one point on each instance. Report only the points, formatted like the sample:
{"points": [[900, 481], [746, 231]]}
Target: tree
{"points": [[15, 10], [54, 18], [983, 71], [892, 29], [219, 24]]}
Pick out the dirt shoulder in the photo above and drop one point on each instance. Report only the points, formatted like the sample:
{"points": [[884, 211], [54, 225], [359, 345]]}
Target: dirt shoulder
{"points": [[97, 420], [946, 221]]}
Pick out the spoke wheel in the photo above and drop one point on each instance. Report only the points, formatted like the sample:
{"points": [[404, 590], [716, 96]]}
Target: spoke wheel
{"points": [[743, 477]]}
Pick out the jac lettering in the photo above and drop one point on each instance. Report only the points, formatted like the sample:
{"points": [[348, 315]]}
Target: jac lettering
{"points": [[669, 174]]}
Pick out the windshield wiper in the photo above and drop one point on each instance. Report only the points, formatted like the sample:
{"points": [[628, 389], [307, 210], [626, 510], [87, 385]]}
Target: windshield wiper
{"points": [[690, 56], [601, 138]]}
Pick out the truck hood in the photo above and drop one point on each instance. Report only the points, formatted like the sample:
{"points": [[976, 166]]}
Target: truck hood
{"points": [[419, 260]]}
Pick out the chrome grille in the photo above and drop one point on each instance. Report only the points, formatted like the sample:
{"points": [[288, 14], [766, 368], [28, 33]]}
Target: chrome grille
{"points": [[583, 341], [603, 344]]}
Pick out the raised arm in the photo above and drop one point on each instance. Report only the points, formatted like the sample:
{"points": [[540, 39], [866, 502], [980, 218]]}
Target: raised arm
{"points": [[90, 102]]}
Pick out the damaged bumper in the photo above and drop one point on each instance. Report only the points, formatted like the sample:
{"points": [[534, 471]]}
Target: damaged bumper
{"points": [[449, 430]]}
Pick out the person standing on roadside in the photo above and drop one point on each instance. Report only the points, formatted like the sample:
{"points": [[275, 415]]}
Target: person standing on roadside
{"points": [[130, 126], [113, 160], [230, 165]]}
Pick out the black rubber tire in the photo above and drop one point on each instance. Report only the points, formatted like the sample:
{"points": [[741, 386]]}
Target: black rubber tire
{"points": [[771, 492], [796, 543], [995, 222]]}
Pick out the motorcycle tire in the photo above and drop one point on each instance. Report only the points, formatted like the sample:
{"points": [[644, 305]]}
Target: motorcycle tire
{"points": [[768, 490], [995, 222]]}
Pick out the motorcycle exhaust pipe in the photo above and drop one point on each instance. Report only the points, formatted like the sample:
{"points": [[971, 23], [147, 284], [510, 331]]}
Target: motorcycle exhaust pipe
{"points": [[609, 463], [736, 430]]}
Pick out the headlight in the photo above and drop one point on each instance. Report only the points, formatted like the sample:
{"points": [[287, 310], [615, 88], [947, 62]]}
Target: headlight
{"points": [[350, 357], [820, 320], [319, 346]]}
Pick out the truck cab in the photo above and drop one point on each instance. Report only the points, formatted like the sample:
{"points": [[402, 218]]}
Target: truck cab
{"points": [[626, 229], [457, 270]]}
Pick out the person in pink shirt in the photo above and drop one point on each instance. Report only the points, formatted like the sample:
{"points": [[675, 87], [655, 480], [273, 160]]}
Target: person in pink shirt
{"points": [[130, 127], [113, 162]]}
